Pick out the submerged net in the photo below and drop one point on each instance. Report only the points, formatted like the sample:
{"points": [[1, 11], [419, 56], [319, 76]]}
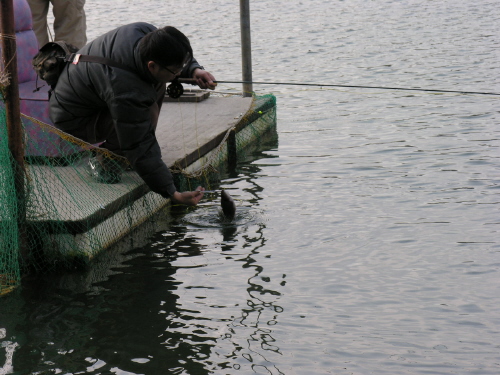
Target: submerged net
{"points": [[71, 215]]}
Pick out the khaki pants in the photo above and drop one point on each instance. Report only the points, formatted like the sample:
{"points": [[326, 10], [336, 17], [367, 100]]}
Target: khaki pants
{"points": [[69, 21]]}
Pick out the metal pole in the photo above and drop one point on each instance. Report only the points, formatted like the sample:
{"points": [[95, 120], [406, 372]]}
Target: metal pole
{"points": [[13, 115], [246, 47]]}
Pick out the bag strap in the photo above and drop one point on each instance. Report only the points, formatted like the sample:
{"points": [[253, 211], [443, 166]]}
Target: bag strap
{"points": [[75, 58]]}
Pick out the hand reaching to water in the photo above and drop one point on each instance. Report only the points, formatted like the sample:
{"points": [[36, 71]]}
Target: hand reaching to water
{"points": [[189, 198]]}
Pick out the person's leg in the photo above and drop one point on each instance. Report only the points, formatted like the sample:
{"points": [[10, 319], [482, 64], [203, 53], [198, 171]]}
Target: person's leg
{"points": [[104, 168], [39, 11], [103, 128], [70, 23]]}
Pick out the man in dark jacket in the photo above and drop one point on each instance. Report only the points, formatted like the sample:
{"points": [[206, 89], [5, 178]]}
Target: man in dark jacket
{"points": [[100, 102]]}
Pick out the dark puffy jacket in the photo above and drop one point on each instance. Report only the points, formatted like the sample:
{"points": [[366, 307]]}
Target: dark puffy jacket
{"points": [[85, 89]]}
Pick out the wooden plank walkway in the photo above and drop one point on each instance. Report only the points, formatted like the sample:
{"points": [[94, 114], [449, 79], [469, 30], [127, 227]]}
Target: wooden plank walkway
{"points": [[185, 127]]}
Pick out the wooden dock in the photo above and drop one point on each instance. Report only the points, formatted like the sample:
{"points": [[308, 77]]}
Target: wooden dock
{"points": [[86, 216], [186, 127]]}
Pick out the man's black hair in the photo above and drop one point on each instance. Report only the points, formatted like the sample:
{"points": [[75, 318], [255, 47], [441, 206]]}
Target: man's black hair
{"points": [[166, 46]]}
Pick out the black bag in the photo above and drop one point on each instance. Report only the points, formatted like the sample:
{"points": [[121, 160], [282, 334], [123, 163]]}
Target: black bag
{"points": [[51, 59]]}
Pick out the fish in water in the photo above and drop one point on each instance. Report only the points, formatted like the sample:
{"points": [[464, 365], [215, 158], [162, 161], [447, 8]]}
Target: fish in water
{"points": [[228, 205]]}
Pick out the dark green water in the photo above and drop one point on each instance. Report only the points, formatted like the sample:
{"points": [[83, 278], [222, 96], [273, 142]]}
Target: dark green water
{"points": [[366, 240]]}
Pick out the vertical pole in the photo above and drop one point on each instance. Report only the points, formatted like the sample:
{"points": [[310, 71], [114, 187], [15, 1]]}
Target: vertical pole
{"points": [[232, 152], [246, 47], [13, 115]]}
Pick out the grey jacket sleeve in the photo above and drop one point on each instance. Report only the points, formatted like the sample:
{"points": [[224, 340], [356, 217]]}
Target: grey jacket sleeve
{"points": [[155, 173], [189, 69]]}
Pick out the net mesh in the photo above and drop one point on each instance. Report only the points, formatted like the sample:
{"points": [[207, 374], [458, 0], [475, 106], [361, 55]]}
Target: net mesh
{"points": [[71, 215]]}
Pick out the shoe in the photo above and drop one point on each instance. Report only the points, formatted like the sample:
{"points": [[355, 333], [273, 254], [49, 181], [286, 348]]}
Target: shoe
{"points": [[105, 171]]}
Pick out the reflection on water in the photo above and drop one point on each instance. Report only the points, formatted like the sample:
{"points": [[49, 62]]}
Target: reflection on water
{"points": [[10, 347], [209, 215], [151, 310]]}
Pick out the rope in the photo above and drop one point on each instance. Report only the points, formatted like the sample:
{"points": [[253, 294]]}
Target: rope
{"points": [[7, 36], [4, 76]]}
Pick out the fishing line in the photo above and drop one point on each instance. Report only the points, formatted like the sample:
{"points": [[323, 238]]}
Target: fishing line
{"points": [[192, 81]]}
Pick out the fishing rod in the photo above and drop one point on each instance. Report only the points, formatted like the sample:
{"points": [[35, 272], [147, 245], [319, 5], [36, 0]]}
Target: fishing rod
{"points": [[193, 82]]}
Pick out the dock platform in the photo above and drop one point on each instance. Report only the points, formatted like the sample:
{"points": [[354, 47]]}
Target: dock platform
{"points": [[73, 216]]}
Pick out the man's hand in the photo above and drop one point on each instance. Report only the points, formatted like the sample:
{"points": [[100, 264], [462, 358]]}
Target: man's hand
{"points": [[204, 79], [189, 198]]}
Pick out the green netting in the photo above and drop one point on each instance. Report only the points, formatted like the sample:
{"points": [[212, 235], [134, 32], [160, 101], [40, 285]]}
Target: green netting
{"points": [[9, 234], [71, 217]]}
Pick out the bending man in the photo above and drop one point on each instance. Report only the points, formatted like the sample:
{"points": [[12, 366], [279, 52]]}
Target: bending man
{"points": [[98, 102]]}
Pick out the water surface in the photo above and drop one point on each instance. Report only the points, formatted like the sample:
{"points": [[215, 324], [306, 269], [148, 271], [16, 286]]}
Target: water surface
{"points": [[366, 240]]}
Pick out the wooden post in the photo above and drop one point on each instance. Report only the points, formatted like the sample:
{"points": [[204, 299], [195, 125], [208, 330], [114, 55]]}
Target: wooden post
{"points": [[13, 115], [232, 152], [246, 47]]}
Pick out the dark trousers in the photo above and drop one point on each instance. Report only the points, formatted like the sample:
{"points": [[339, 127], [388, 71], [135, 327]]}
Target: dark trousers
{"points": [[102, 129]]}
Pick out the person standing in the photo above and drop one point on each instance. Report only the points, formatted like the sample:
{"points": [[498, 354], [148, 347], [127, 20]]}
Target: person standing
{"points": [[69, 21]]}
